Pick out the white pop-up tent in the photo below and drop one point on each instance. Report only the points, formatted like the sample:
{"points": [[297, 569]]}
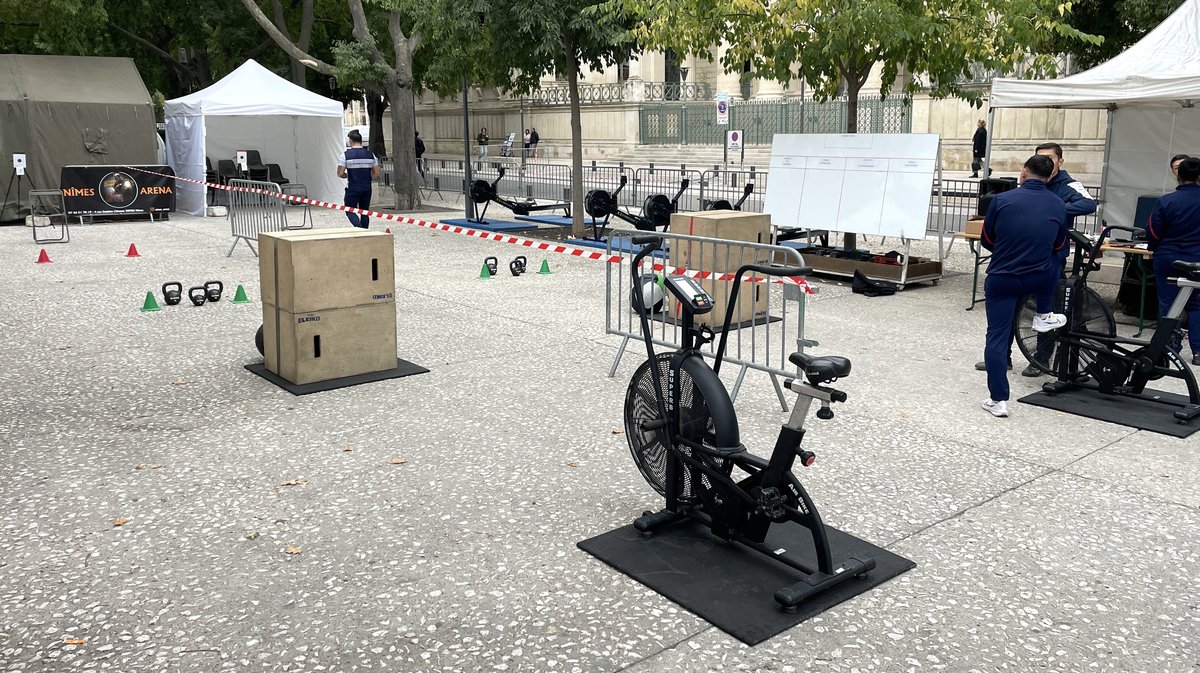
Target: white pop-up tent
{"points": [[1149, 90], [252, 108]]}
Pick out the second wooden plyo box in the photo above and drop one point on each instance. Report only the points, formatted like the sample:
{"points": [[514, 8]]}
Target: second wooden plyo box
{"points": [[329, 303]]}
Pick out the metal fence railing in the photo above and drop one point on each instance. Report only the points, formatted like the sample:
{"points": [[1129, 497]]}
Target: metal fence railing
{"points": [[728, 185], [655, 180], [251, 213], [768, 324], [695, 123]]}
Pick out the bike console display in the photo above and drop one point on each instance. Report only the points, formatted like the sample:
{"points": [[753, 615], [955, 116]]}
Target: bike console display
{"points": [[689, 292]]}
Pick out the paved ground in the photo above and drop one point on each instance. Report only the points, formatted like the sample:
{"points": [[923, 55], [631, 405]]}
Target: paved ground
{"points": [[436, 524]]}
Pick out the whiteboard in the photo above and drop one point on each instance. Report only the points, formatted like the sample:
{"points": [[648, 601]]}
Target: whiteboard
{"points": [[854, 183]]}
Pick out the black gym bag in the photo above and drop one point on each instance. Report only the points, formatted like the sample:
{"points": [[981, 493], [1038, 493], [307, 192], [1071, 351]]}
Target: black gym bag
{"points": [[872, 288]]}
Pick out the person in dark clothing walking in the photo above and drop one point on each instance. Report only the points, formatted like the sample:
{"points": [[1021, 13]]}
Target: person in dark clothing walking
{"points": [[1024, 229], [1174, 234], [420, 150], [359, 167], [534, 139], [979, 149]]}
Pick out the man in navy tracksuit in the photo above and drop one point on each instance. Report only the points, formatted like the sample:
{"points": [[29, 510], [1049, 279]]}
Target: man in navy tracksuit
{"points": [[358, 166], [1024, 229], [1079, 203], [1174, 234]]}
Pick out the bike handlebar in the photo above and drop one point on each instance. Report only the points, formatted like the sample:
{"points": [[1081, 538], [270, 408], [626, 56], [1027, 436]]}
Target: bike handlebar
{"points": [[779, 271], [762, 269]]}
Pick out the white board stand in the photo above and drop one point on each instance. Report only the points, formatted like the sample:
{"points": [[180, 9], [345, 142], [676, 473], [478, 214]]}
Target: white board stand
{"points": [[868, 184]]}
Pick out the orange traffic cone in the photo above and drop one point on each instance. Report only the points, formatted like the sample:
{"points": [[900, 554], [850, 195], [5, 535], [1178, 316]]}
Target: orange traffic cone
{"points": [[43, 258], [132, 251]]}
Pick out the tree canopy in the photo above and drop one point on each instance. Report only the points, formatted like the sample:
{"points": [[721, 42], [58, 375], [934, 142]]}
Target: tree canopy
{"points": [[834, 43], [1121, 22]]}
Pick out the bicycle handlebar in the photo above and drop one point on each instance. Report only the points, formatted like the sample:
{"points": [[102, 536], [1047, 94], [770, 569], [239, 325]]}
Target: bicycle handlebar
{"points": [[765, 270]]}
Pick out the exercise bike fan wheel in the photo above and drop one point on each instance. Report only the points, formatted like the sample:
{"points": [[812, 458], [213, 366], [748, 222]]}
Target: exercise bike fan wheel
{"points": [[1094, 317], [706, 417]]}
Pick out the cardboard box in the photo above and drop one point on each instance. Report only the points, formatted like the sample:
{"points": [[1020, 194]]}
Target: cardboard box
{"points": [[724, 225], [320, 345], [974, 226], [319, 269]]}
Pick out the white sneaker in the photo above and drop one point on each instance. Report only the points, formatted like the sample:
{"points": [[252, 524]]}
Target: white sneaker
{"points": [[1048, 322], [997, 409]]}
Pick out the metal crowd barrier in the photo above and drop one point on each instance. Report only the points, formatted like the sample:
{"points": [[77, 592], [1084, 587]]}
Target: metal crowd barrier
{"points": [[727, 184], [251, 213], [653, 180], [762, 343]]}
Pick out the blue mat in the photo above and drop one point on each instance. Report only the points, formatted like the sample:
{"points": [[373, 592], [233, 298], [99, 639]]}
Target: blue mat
{"points": [[553, 220], [623, 244], [498, 226]]}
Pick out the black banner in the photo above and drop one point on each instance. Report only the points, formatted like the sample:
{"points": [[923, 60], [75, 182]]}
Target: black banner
{"points": [[117, 190]]}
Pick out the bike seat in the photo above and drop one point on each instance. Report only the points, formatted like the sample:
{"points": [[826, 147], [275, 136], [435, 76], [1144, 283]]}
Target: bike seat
{"points": [[1192, 269], [818, 370]]}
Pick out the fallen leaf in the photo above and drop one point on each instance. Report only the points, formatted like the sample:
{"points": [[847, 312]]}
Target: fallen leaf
{"points": [[397, 461], [75, 641], [292, 549], [138, 466], [143, 466], [347, 448], [295, 482], [252, 535], [121, 521], [572, 464], [154, 466], [180, 382], [618, 432]]}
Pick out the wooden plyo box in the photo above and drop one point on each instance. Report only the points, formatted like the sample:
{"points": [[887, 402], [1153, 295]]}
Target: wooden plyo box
{"points": [[329, 303], [329, 344], [718, 257], [317, 269]]}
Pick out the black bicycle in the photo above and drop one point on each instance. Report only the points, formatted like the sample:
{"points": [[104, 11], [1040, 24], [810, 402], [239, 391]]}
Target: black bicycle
{"points": [[684, 437], [1099, 360]]}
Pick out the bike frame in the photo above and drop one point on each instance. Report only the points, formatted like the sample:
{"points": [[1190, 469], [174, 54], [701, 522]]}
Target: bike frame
{"points": [[730, 511], [1139, 357]]}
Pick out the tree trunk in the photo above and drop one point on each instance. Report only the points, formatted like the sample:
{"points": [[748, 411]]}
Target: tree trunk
{"points": [[576, 138], [404, 147], [853, 85], [376, 106]]}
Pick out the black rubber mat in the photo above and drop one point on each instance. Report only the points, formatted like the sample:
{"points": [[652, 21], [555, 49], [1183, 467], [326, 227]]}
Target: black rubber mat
{"points": [[403, 368], [1128, 411], [730, 586]]}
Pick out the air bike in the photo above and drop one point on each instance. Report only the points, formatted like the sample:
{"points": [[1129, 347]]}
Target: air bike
{"points": [[683, 434], [1087, 354], [485, 192]]}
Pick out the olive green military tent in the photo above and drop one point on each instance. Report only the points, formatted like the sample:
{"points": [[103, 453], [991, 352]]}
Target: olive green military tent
{"points": [[66, 110]]}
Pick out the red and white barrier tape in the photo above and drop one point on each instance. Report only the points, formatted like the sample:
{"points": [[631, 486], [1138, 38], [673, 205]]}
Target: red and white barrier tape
{"points": [[487, 235]]}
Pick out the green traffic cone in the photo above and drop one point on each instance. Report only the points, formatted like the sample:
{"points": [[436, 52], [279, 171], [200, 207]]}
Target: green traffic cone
{"points": [[484, 273], [239, 297], [545, 266], [151, 304]]}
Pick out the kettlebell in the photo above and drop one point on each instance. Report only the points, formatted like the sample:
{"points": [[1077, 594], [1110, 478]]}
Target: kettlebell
{"points": [[198, 295], [172, 293], [517, 266], [213, 289], [492, 264]]}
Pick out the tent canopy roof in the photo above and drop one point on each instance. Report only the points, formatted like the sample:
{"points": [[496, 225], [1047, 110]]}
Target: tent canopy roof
{"points": [[71, 79], [253, 90], [1161, 70]]}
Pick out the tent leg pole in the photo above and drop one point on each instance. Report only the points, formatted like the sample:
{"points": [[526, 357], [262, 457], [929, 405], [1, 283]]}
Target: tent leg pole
{"points": [[1112, 111]]}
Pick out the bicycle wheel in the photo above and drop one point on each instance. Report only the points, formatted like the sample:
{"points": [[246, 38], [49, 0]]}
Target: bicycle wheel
{"points": [[1093, 316], [706, 415]]}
